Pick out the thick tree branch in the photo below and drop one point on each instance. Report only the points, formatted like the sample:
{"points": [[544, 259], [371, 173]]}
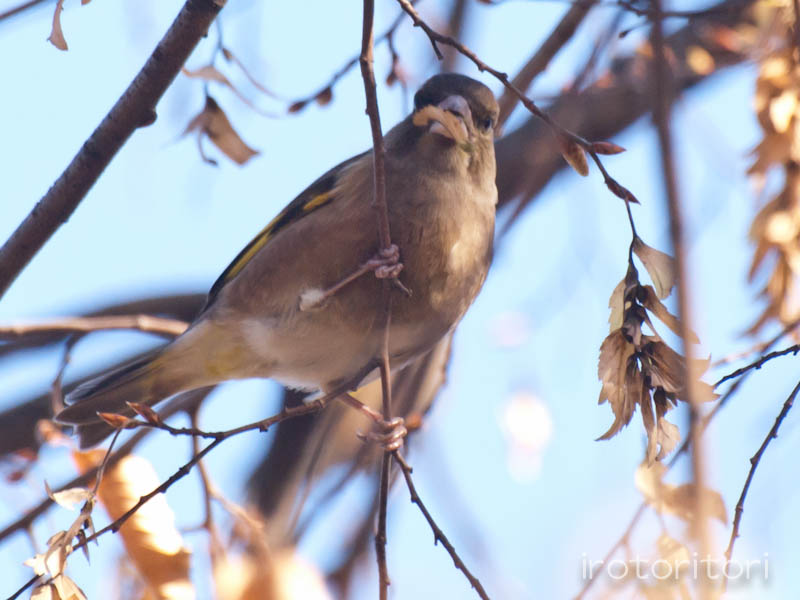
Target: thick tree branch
{"points": [[134, 109]]}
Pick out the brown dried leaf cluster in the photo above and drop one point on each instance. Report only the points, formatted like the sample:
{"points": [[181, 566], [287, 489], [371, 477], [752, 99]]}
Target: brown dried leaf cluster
{"points": [[51, 563], [776, 228], [637, 369]]}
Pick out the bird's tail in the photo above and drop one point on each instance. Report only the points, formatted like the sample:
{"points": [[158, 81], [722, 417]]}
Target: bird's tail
{"points": [[147, 380]]}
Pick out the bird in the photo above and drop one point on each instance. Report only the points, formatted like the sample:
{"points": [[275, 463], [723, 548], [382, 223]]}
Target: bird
{"points": [[290, 306]]}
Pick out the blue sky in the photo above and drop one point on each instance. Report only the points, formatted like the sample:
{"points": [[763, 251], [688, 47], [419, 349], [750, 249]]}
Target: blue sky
{"points": [[161, 220]]}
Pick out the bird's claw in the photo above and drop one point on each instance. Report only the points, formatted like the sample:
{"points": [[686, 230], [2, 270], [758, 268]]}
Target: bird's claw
{"points": [[391, 437], [386, 264]]}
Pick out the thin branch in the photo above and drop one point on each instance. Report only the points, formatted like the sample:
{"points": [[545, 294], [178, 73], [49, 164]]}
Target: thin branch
{"points": [[621, 541], [262, 425], [145, 323], [181, 402], [80, 481], [438, 534], [19, 9], [757, 364], [24, 587], [325, 91], [186, 468], [773, 433], [562, 33], [134, 109], [570, 137]]}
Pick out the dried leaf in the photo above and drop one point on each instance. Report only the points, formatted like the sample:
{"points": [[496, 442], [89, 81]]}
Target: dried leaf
{"points": [[782, 110], [67, 589], [207, 73], [56, 33], [573, 154], [44, 591], [213, 123], [666, 498], [664, 368], [296, 107], [612, 372], [682, 503], [69, 498], [616, 304], [650, 301], [668, 435], [324, 97], [150, 537], [781, 227], [620, 191], [607, 148], [144, 411], [288, 576], [660, 267], [117, 421]]}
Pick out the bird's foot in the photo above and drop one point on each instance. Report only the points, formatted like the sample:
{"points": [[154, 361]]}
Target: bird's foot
{"points": [[391, 434], [386, 265]]}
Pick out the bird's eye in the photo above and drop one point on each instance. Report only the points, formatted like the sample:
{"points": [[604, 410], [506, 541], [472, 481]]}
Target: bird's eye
{"points": [[486, 123]]}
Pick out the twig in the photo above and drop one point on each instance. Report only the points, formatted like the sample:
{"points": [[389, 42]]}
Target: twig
{"points": [[32, 514], [385, 241], [18, 9], [562, 33], [325, 91], [24, 587], [180, 402], [438, 534], [186, 468], [145, 323], [260, 425], [621, 541], [773, 433], [757, 364], [437, 38], [134, 109]]}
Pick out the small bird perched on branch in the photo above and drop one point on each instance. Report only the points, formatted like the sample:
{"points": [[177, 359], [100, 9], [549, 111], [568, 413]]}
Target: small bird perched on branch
{"points": [[299, 303]]}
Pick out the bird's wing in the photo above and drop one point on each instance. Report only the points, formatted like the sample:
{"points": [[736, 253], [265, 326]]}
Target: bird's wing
{"points": [[316, 195]]}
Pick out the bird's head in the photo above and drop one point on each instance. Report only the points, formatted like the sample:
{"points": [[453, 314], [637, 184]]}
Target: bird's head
{"points": [[456, 111]]}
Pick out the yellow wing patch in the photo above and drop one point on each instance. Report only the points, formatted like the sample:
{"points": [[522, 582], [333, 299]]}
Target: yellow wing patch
{"points": [[288, 215], [317, 201]]}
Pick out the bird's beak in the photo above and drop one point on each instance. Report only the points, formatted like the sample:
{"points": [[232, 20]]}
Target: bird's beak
{"points": [[450, 119], [457, 106]]}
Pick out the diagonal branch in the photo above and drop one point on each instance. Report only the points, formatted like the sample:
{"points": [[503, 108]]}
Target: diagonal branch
{"points": [[562, 33], [134, 109], [438, 534], [773, 433]]}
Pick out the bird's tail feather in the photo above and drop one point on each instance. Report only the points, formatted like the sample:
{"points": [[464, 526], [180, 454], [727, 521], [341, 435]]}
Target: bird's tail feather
{"points": [[147, 380]]}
